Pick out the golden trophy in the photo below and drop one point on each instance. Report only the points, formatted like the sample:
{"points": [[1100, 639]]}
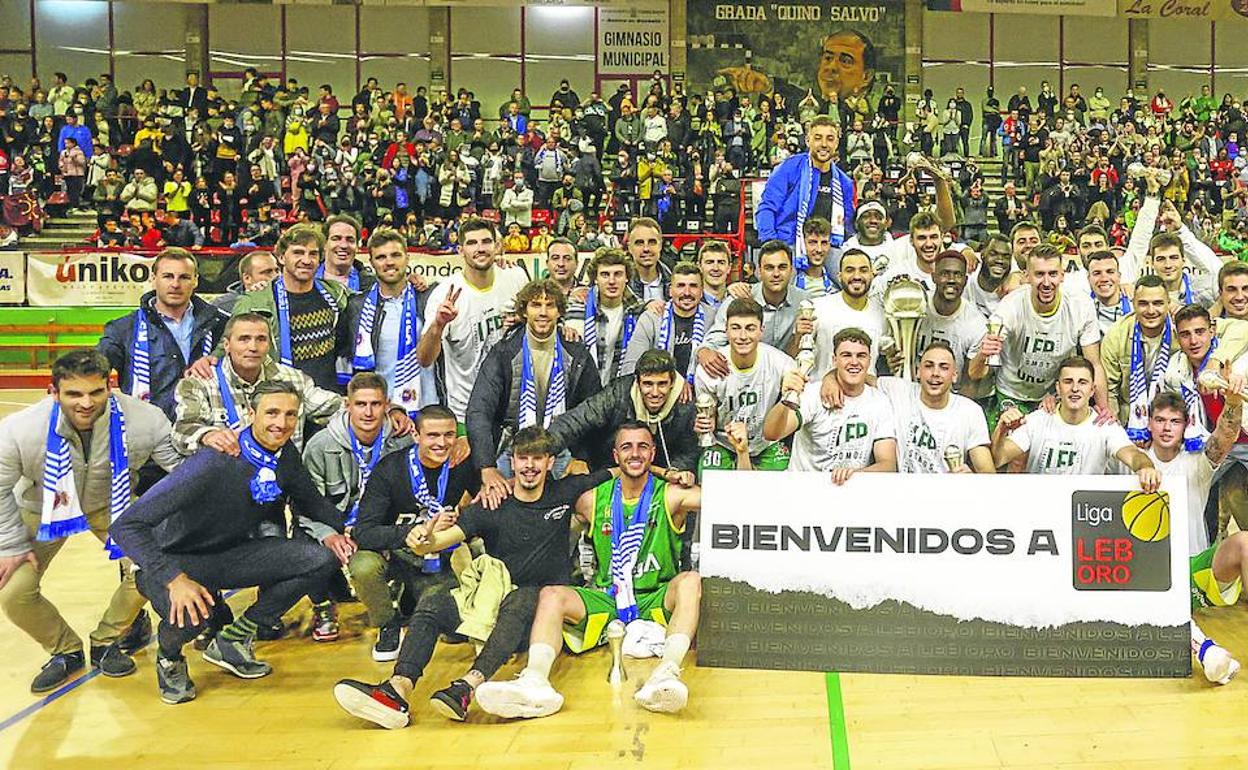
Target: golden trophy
{"points": [[905, 304], [708, 407], [805, 354]]}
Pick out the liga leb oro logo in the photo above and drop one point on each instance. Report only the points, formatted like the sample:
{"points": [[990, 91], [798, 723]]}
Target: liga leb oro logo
{"points": [[1120, 541]]}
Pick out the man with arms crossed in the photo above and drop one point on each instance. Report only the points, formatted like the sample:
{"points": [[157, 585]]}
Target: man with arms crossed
{"points": [[635, 523]]}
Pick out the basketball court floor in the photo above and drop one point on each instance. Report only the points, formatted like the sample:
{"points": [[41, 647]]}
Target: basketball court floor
{"points": [[736, 719]]}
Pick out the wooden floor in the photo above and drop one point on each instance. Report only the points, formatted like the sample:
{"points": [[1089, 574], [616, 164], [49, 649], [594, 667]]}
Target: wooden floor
{"points": [[736, 719]]}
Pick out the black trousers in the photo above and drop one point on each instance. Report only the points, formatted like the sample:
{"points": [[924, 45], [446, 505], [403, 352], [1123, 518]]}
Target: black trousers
{"points": [[437, 613], [284, 570]]}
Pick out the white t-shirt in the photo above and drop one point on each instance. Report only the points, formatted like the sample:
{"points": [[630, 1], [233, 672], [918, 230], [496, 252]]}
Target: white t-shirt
{"points": [[923, 433], [985, 301], [881, 253], [476, 329], [1196, 468], [964, 331], [840, 438], [1035, 345], [1058, 448], [832, 315], [745, 395]]}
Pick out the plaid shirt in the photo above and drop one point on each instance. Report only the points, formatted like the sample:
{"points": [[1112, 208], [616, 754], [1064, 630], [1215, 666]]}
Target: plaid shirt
{"points": [[201, 410]]}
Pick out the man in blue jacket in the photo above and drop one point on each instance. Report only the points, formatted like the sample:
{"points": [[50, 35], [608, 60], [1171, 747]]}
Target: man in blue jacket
{"points": [[172, 328], [808, 185], [73, 129]]}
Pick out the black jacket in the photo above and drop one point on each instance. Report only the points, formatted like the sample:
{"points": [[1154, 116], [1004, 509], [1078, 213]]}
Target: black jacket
{"points": [[355, 306], [588, 428], [494, 403], [166, 363]]}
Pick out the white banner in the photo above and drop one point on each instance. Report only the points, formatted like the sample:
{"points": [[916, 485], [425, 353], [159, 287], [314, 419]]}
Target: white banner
{"points": [[633, 41], [12, 277], [1027, 551], [87, 279]]}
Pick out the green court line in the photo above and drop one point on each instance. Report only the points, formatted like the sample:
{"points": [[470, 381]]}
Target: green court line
{"points": [[836, 723]]}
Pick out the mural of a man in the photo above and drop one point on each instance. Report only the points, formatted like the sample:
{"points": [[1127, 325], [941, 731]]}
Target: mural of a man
{"points": [[847, 67]]}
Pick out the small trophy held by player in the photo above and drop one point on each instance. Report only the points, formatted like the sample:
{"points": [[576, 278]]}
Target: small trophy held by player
{"points": [[995, 328], [953, 457], [905, 304], [707, 407], [615, 639], [805, 354]]}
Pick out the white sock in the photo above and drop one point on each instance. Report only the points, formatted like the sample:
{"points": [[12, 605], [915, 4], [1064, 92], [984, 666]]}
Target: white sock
{"points": [[674, 648], [541, 658], [1198, 638]]}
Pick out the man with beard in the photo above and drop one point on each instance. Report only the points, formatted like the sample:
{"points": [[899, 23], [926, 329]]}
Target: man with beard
{"points": [[991, 281], [1136, 351], [781, 301], [1041, 327], [1089, 240], [954, 321], [804, 186], [854, 307], [816, 280], [915, 255], [859, 436], [526, 546], [638, 576], [1109, 298], [744, 397], [1069, 441], [679, 329], [1024, 237], [1217, 569], [561, 264]]}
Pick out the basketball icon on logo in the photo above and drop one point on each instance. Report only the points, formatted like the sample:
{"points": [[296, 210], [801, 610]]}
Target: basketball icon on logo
{"points": [[1146, 515]]}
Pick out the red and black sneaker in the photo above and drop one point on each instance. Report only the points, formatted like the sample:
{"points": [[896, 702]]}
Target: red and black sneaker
{"points": [[376, 703], [453, 701]]}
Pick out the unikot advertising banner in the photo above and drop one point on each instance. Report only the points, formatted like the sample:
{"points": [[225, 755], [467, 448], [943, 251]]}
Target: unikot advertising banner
{"points": [[951, 573], [86, 278]]}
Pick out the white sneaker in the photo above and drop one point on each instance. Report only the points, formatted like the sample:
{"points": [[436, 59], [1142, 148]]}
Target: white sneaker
{"points": [[525, 697], [663, 691], [1219, 666]]}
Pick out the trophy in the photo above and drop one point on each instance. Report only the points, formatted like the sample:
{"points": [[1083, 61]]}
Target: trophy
{"points": [[995, 328], [615, 639], [708, 407], [1211, 380], [905, 304], [953, 457], [805, 354]]}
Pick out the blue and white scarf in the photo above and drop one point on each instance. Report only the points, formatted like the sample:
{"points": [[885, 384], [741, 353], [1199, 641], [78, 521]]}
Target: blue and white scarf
{"points": [[1124, 303], [590, 334], [353, 278], [141, 356], [556, 388], [283, 316], [1142, 387], [62, 513], [1186, 292], [807, 183], [626, 545], [365, 465], [232, 417], [666, 335], [264, 486], [828, 284], [405, 389], [1196, 433], [420, 490]]}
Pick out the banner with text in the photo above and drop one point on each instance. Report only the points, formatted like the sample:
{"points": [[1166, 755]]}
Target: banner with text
{"points": [[633, 41], [1043, 7], [12, 277], [1207, 10], [951, 574], [851, 48]]}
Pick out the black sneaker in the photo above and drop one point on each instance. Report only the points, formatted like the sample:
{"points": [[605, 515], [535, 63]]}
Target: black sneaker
{"points": [[58, 669], [174, 681], [453, 701], [389, 637], [138, 636], [239, 658], [111, 661], [376, 703]]}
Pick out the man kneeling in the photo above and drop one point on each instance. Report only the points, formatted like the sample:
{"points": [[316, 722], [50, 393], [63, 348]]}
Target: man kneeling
{"points": [[635, 523]]}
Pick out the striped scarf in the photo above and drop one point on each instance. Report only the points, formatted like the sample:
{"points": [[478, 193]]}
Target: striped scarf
{"points": [[264, 486], [626, 545], [1196, 433], [62, 513], [699, 333], [1142, 387], [805, 202], [556, 391], [141, 356], [405, 388], [353, 278], [590, 334]]}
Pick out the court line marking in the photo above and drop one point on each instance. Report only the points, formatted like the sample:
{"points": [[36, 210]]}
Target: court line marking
{"points": [[836, 723], [69, 687]]}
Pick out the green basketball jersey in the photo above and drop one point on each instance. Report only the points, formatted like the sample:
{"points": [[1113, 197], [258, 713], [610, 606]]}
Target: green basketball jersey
{"points": [[658, 560]]}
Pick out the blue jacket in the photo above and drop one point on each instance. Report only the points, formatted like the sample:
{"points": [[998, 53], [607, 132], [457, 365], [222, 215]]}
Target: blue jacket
{"points": [[167, 365], [775, 216], [80, 134]]}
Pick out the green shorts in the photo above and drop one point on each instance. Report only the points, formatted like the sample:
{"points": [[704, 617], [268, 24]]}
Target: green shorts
{"points": [[774, 458], [995, 408], [600, 610], [1208, 591]]}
